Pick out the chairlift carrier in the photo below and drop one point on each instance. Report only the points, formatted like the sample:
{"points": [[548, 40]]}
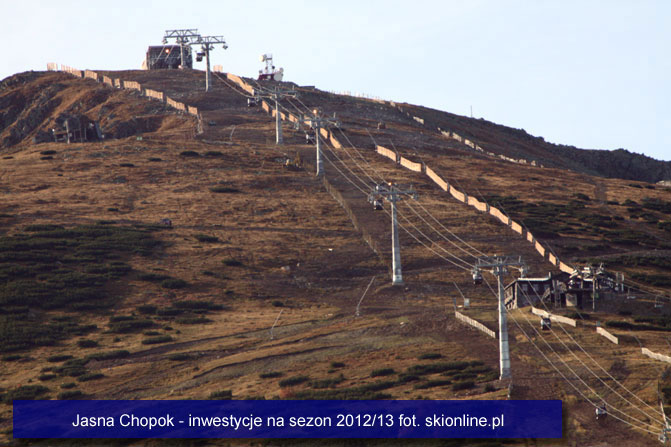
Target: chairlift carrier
{"points": [[546, 324], [477, 276]]}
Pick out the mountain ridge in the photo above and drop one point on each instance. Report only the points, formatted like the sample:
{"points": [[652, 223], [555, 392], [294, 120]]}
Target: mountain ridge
{"points": [[518, 144], [16, 124]]}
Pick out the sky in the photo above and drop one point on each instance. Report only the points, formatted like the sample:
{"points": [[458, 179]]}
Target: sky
{"points": [[592, 74]]}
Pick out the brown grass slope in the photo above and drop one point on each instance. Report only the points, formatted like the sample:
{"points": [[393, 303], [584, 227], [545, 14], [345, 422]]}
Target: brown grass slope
{"points": [[251, 238], [32, 104]]}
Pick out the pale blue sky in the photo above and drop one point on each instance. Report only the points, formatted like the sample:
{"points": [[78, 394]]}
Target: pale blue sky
{"points": [[594, 74]]}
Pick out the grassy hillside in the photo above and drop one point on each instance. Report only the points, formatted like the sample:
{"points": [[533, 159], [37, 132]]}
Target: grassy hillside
{"points": [[98, 300]]}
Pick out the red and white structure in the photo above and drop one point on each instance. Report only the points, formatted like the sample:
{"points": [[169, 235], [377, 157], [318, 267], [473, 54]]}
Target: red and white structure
{"points": [[269, 73]]}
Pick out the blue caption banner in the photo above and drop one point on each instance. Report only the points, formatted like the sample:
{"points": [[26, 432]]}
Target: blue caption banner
{"points": [[287, 419]]}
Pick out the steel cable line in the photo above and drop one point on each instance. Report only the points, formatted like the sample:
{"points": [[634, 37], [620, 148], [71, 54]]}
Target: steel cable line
{"points": [[413, 225], [594, 360], [423, 208], [401, 214], [399, 224], [466, 264], [364, 192], [587, 354], [609, 375], [661, 295], [568, 380], [235, 89], [408, 203], [388, 213], [594, 390], [428, 238], [371, 178], [596, 363], [580, 379]]}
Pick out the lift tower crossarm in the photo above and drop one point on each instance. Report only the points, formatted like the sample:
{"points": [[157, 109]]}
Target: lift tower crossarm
{"points": [[212, 40], [183, 37], [393, 194], [181, 34], [499, 267]]}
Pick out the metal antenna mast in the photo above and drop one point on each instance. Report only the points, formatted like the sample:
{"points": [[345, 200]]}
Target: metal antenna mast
{"points": [[318, 122], [276, 95], [393, 194], [207, 44], [183, 37], [498, 266]]}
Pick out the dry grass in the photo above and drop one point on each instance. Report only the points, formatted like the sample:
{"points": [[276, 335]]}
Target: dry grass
{"points": [[293, 244]]}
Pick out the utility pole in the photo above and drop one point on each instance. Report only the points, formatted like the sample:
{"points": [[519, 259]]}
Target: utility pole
{"points": [[276, 95], [318, 122], [393, 194], [206, 44], [183, 37], [499, 267]]}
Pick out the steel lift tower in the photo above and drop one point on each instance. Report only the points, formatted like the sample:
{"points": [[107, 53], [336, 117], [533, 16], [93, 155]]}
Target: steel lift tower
{"points": [[317, 121], [207, 43], [393, 194], [276, 94], [183, 37], [499, 268]]}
